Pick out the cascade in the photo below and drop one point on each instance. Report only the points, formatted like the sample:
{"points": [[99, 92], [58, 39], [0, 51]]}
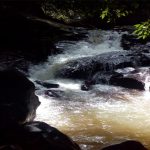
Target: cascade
{"points": [[103, 115]]}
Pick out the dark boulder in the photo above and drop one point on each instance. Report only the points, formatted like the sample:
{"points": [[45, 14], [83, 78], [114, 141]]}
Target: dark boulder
{"points": [[145, 59], [127, 77], [18, 103], [135, 79], [101, 77], [87, 85], [54, 93], [127, 145], [84, 68], [105, 77], [130, 42], [47, 84], [35, 136], [128, 82]]}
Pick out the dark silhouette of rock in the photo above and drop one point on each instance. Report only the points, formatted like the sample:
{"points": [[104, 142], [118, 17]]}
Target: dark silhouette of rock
{"points": [[18, 103], [47, 84], [127, 145], [105, 77], [135, 79], [54, 93], [145, 59], [131, 42], [36, 135], [86, 86]]}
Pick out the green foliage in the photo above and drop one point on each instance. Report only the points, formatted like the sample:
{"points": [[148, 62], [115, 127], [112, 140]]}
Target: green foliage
{"points": [[113, 9], [142, 30], [112, 14], [70, 11]]}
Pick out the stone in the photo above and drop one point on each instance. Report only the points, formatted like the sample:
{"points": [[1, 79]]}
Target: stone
{"points": [[127, 145], [129, 77], [47, 84], [84, 68], [35, 136], [54, 93], [86, 86], [105, 77], [136, 79], [145, 59], [130, 42], [18, 102]]}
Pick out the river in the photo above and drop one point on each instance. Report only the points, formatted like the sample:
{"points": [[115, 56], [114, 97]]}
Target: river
{"points": [[101, 116]]}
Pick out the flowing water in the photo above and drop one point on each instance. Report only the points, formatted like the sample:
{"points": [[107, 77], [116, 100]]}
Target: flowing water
{"points": [[101, 116]]}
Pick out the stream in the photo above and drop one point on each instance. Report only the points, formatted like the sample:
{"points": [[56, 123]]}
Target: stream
{"points": [[98, 117]]}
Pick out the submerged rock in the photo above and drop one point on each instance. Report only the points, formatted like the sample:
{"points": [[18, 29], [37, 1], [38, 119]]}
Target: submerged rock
{"points": [[127, 145], [35, 136]]}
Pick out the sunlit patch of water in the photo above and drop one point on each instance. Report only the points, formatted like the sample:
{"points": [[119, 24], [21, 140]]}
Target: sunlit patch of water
{"points": [[98, 117]]}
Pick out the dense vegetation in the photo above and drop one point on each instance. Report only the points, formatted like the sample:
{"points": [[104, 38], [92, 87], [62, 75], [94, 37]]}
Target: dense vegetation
{"points": [[114, 10], [110, 12]]}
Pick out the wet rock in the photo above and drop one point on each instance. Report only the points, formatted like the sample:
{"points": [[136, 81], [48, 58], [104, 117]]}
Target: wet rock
{"points": [[127, 145], [54, 93], [47, 84], [105, 77], [130, 42], [145, 59], [101, 77], [135, 79], [127, 77], [128, 82], [35, 135], [84, 68], [18, 103], [86, 86]]}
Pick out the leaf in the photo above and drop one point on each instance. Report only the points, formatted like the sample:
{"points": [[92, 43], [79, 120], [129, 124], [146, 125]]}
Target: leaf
{"points": [[102, 15]]}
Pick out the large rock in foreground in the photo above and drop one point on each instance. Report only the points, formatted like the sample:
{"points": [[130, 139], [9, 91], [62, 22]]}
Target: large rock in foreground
{"points": [[18, 103], [35, 136]]}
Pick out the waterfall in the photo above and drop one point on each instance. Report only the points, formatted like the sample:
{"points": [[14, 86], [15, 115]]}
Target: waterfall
{"points": [[97, 42], [103, 115]]}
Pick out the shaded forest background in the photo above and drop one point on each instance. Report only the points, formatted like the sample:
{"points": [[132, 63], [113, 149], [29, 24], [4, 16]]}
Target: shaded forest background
{"points": [[30, 27]]}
